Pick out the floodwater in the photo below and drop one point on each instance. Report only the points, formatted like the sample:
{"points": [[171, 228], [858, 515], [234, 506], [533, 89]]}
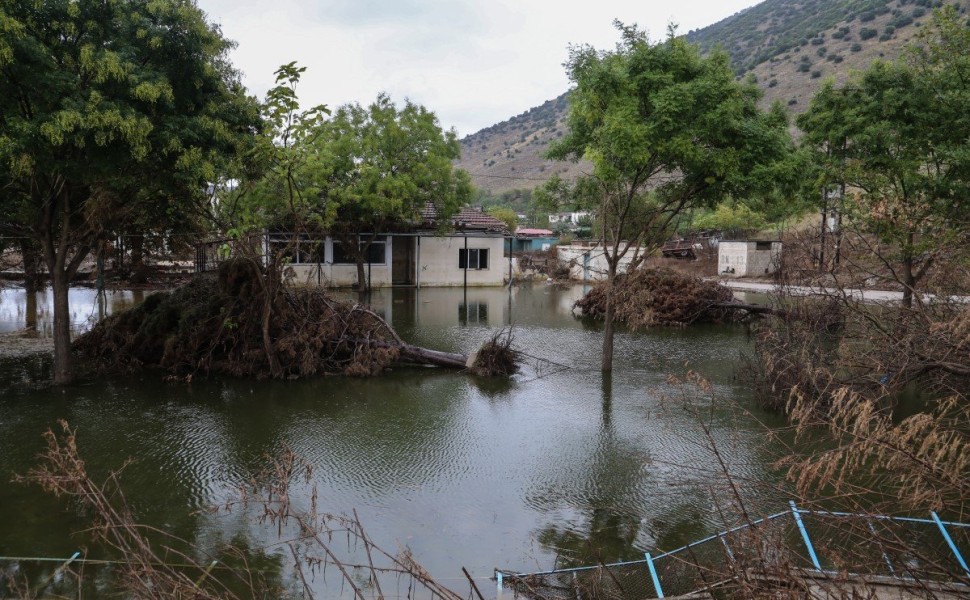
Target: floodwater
{"points": [[557, 465]]}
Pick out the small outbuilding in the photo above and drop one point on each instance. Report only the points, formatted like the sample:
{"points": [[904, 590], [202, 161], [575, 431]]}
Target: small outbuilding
{"points": [[748, 258]]}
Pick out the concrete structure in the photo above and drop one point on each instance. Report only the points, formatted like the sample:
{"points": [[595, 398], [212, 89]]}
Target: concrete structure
{"points": [[471, 253], [424, 259], [533, 240], [748, 258], [587, 261], [570, 218]]}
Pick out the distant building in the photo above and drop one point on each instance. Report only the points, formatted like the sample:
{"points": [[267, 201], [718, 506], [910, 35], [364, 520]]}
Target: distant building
{"points": [[533, 240], [569, 218], [748, 258]]}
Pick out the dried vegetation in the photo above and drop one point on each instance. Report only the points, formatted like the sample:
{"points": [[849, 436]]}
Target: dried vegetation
{"points": [[331, 555], [648, 297], [223, 326]]}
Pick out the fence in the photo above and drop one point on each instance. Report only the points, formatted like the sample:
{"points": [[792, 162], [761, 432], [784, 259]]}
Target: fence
{"points": [[821, 546]]}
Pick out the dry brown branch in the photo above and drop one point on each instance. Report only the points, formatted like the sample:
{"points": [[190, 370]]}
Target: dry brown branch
{"points": [[647, 297]]}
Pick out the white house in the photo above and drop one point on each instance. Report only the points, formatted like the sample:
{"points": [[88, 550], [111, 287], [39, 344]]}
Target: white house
{"points": [[570, 218], [472, 254], [748, 258]]}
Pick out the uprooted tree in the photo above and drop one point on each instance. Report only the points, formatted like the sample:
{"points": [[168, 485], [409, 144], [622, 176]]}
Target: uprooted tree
{"points": [[666, 130], [217, 326]]}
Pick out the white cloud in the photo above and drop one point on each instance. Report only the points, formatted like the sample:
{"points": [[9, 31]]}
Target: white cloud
{"points": [[474, 63]]}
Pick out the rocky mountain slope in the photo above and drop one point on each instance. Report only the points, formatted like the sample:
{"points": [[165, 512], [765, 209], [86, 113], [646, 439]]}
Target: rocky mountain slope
{"points": [[788, 47]]}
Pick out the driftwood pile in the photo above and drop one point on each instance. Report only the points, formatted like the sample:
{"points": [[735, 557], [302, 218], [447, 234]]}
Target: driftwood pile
{"points": [[221, 326], [648, 297]]}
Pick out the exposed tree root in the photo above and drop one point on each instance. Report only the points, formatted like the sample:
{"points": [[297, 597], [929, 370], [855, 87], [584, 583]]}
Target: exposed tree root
{"points": [[496, 356]]}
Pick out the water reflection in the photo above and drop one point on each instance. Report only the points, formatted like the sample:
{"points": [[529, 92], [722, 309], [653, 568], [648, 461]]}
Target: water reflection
{"points": [[475, 472], [20, 310]]}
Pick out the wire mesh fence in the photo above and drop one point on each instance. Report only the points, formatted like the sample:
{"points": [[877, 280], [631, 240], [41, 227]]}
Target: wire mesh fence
{"points": [[796, 548]]}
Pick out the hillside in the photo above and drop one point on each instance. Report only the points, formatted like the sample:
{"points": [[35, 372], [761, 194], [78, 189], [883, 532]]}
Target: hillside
{"points": [[788, 47]]}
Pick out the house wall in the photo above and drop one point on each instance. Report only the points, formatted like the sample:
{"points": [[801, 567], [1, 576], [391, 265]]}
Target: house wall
{"points": [[591, 268], [437, 266], [438, 261], [743, 259], [342, 275]]}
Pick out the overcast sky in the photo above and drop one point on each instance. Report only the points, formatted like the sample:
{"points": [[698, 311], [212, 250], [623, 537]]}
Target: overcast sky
{"points": [[474, 63]]}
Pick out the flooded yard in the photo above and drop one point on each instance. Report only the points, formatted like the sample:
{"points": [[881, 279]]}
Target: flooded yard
{"points": [[552, 466]]}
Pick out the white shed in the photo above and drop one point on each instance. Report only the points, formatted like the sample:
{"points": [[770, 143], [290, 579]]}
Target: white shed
{"points": [[748, 258]]}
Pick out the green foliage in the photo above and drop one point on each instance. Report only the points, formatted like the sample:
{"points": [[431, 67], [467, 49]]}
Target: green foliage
{"points": [[735, 219], [867, 33], [378, 166], [898, 134], [507, 216], [113, 114]]}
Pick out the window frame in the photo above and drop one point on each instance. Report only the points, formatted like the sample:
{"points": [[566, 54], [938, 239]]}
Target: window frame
{"points": [[464, 254]]}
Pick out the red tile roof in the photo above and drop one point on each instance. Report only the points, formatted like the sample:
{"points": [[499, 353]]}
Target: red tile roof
{"points": [[533, 232], [465, 218]]}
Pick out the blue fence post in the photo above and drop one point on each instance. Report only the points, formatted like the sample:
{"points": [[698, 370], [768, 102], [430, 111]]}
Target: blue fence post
{"points": [[498, 583], [949, 541], [653, 575], [808, 540]]}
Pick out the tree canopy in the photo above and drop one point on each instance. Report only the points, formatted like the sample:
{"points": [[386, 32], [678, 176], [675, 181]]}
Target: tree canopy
{"points": [[666, 130], [896, 135], [376, 168], [109, 110]]}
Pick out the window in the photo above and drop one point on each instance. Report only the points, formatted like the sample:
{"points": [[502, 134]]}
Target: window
{"points": [[297, 250], [473, 258], [375, 253], [762, 245]]}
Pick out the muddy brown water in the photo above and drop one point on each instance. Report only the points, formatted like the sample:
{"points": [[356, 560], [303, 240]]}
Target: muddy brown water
{"points": [[548, 467]]}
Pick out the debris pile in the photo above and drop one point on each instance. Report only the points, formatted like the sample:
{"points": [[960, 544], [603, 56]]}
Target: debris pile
{"points": [[224, 326], [648, 297]]}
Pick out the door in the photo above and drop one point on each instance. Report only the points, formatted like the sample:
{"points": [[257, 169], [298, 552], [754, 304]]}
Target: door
{"points": [[402, 260]]}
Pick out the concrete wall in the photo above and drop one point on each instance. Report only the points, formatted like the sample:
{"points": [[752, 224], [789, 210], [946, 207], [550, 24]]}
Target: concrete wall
{"points": [[438, 261], [588, 263], [437, 265], [328, 274], [744, 259]]}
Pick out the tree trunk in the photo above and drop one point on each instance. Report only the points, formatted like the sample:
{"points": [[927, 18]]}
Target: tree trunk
{"points": [[32, 281], [138, 273], [608, 331], [63, 361], [361, 276], [269, 281], [909, 278], [31, 257]]}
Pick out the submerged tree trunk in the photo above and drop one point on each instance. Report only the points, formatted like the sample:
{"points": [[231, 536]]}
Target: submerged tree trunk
{"points": [[32, 280], [137, 271], [32, 259], [606, 364]]}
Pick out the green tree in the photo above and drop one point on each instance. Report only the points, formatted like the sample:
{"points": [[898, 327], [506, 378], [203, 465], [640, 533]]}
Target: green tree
{"points": [[376, 169], [896, 135], [106, 107], [666, 130], [505, 215], [733, 219]]}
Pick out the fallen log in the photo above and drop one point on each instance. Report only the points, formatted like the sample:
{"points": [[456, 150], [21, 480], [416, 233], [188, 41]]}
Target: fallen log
{"points": [[756, 309]]}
